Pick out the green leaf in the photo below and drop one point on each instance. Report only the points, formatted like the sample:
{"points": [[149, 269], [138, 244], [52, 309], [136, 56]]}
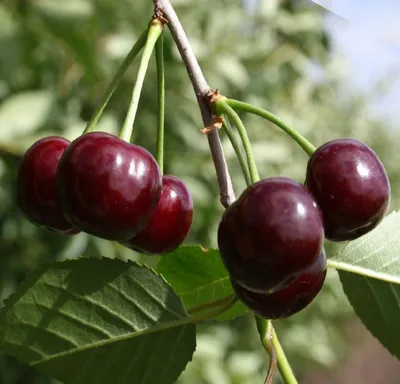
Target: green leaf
{"points": [[375, 254], [71, 34], [199, 276], [71, 10], [96, 321], [23, 113], [377, 304], [369, 269]]}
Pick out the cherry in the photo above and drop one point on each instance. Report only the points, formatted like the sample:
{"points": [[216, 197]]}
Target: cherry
{"points": [[289, 300], [351, 187], [108, 187], [36, 185], [169, 223], [273, 231]]}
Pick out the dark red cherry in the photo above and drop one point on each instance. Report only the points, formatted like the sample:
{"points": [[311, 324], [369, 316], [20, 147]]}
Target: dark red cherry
{"points": [[289, 300], [273, 231], [351, 187], [36, 185], [169, 223], [108, 187]]}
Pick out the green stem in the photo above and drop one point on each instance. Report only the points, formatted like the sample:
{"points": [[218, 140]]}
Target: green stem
{"points": [[223, 108], [283, 365], [265, 330], [209, 305], [154, 33], [301, 140], [236, 146], [115, 81], [161, 102], [273, 347]]}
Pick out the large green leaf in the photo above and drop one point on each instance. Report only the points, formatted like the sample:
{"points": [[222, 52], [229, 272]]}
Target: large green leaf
{"points": [[377, 303], [199, 276], [375, 254], [96, 321], [369, 269]]}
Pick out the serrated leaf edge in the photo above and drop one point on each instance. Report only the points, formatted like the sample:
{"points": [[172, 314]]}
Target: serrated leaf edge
{"points": [[157, 328], [362, 320], [42, 269]]}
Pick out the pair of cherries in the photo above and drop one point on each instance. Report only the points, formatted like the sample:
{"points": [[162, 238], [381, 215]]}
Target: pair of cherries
{"points": [[271, 238], [105, 187]]}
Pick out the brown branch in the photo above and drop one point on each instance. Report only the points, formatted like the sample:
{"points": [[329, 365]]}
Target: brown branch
{"points": [[202, 91], [273, 361]]}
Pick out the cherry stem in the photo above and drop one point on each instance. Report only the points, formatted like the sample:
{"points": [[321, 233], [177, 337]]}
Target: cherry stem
{"points": [[283, 365], [223, 108], [202, 91], [161, 102], [209, 305], [265, 330], [115, 81], [154, 33], [272, 345], [301, 140], [236, 146]]}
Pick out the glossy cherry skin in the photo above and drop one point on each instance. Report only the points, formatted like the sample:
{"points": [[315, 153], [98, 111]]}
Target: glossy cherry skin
{"points": [[36, 185], [273, 231], [108, 187], [169, 223], [289, 300], [351, 187]]}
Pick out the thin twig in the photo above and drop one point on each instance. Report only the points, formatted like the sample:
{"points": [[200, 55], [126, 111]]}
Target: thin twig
{"points": [[202, 91], [265, 329], [273, 360]]}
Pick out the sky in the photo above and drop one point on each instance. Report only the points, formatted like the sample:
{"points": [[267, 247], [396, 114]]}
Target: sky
{"points": [[367, 34]]}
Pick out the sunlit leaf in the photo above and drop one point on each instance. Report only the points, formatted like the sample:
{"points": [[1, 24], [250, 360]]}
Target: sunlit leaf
{"points": [[199, 276]]}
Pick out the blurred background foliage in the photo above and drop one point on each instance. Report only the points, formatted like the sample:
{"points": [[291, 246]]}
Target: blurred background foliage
{"points": [[56, 60]]}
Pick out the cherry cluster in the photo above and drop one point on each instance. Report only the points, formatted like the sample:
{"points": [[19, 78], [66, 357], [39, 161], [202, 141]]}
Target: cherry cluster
{"points": [[106, 187], [271, 239]]}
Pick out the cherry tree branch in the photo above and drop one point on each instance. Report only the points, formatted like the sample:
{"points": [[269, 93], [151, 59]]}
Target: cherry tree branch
{"points": [[202, 91]]}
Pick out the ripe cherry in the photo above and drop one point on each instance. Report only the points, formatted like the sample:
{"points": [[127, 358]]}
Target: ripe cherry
{"points": [[273, 231], [36, 185], [169, 223], [108, 187], [293, 298], [351, 187]]}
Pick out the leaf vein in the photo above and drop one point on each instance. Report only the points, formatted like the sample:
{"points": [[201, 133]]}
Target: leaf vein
{"points": [[156, 299], [376, 299], [222, 279], [134, 303], [50, 332], [94, 303], [78, 320]]}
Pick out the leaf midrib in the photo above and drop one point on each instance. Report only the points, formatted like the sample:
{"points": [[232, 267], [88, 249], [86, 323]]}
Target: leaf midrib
{"points": [[363, 271], [129, 336], [222, 279]]}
